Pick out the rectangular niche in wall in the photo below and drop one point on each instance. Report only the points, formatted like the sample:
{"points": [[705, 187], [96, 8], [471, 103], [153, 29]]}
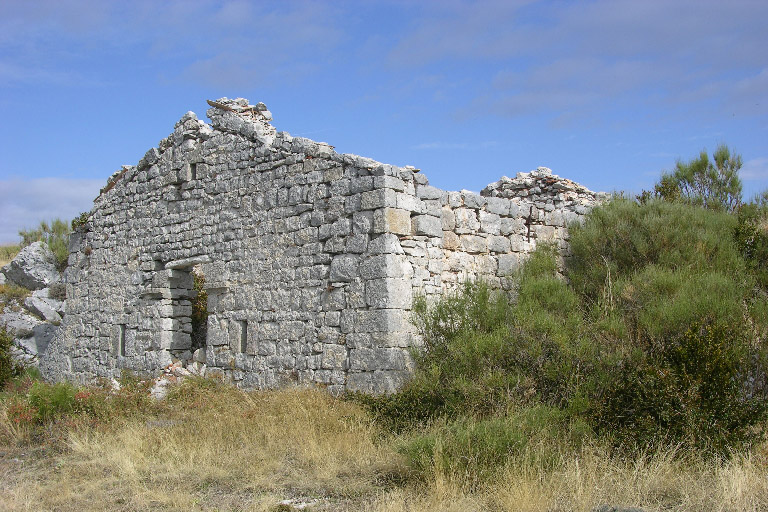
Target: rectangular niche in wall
{"points": [[243, 341], [121, 340]]}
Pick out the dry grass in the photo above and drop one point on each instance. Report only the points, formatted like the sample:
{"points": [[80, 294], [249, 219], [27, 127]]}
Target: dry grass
{"points": [[210, 447], [7, 253], [213, 449], [661, 482]]}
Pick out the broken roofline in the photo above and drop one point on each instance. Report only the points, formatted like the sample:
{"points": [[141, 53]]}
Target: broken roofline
{"points": [[239, 117]]}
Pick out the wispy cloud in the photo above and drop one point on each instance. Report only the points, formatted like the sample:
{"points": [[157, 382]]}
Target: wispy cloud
{"points": [[755, 170], [231, 43], [663, 55], [24, 202]]}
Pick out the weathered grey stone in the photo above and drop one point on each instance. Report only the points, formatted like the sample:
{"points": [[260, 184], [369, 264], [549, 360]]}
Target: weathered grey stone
{"points": [[385, 244], [43, 308], [508, 264], [389, 293], [344, 268], [310, 259], [392, 220], [427, 225], [33, 268], [20, 323], [474, 243]]}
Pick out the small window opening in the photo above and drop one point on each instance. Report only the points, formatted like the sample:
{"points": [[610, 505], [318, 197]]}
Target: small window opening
{"points": [[121, 341], [193, 171], [199, 309], [243, 336]]}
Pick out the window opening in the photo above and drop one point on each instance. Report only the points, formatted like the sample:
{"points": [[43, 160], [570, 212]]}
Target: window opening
{"points": [[243, 336], [121, 341], [199, 309]]}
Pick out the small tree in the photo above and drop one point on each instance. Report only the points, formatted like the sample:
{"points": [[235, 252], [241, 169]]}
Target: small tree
{"points": [[713, 184], [55, 235]]}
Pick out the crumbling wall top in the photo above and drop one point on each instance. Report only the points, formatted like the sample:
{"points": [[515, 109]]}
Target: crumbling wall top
{"points": [[540, 183], [239, 116]]}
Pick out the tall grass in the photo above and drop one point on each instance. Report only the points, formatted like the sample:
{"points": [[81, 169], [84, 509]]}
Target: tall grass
{"points": [[7, 253], [206, 443], [213, 447]]}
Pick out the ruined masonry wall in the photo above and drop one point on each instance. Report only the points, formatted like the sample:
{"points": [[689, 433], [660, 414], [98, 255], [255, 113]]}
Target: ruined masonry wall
{"points": [[311, 258]]}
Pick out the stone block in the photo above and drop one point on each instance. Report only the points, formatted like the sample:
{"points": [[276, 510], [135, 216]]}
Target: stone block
{"points": [[334, 299], [344, 268], [389, 293], [409, 202], [497, 205], [466, 221], [451, 241], [372, 359], [448, 219], [388, 182], [392, 220], [474, 243], [334, 357], [472, 200], [498, 244], [362, 222], [508, 226], [379, 198], [489, 223], [508, 264], [429, 192], [381, 320], [427, 225], [356, 244], [174, 340]]}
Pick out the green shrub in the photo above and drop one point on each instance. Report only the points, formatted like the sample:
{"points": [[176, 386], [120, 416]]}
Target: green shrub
{"points": [[620, 238], [751, 234], [646, 343], [57, 291], [688, 388], [52, 400], [55, 235], [80, 221], [713, 184], [9, 367], [477, 449]]}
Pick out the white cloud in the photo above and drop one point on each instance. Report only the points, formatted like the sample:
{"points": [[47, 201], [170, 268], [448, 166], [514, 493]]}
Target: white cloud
{"points": [[755, 170], [668, 55], [26, 202]]}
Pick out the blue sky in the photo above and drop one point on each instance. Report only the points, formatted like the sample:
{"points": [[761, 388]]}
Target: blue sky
{"points": [[608, 93]]}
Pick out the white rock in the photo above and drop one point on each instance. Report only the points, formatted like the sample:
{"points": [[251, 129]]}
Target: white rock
{"points": [[33, 268]]}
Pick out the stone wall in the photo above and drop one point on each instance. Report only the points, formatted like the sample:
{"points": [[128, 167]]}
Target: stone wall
{"points": [[310, 258]]}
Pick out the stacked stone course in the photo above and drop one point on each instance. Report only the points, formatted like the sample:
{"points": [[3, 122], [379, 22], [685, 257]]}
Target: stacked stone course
{"points": [[311, 258]]}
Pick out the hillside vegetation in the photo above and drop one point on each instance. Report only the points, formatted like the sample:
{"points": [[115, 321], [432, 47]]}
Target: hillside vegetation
{"points": [[634, 373]]}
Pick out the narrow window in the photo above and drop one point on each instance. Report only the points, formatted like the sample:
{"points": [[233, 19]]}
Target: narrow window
{"points": [[193, 171], [121, 341], [243, 336]]}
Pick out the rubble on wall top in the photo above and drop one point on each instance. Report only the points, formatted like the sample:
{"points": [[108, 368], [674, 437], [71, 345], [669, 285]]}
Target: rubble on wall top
{"points": [[242, 107], [540, 178]]}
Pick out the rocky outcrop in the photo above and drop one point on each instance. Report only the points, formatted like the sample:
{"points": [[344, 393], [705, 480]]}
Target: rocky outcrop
{"points": [[34, 320], [33, 268]]}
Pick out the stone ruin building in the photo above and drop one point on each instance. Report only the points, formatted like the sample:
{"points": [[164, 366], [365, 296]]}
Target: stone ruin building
{"points": [[310, 259]]}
